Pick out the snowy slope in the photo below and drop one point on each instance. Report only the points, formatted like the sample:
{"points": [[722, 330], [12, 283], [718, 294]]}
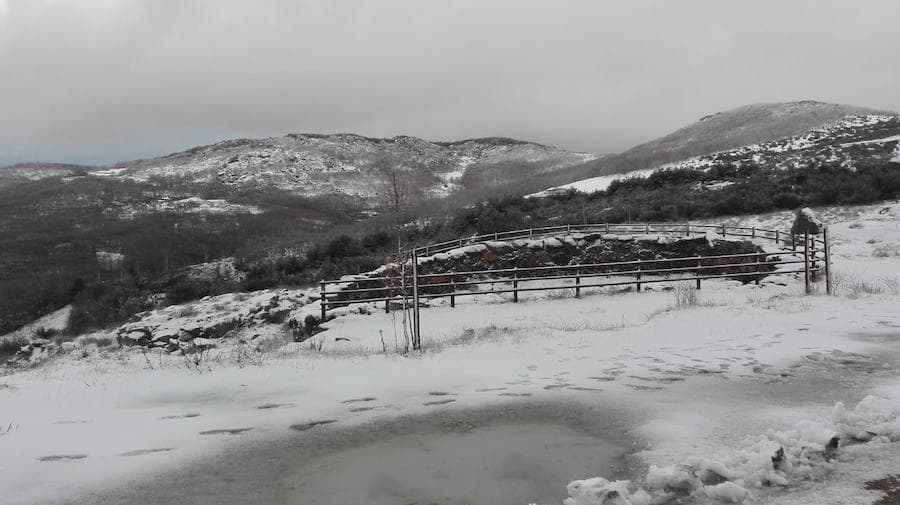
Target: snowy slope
{"points": [[852, 141], [705, 395]]}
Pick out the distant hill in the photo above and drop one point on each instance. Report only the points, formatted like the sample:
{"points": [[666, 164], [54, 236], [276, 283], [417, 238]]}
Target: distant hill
{"points": [[746, 125], [344, 164]]}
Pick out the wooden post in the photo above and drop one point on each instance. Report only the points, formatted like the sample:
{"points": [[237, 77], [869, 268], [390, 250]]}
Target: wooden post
{"points": [[515, 284], [452, 291], [806, 264], [814, 261], [322, 301], [687, 229], [699, 265], [607, 227], [646, 228], [723, 230], [577, 283], [417, 337], [777, 238], [793, 242], [495, 236], [828, 286], [753, 232], [756, 280], [638, 276], [460, 242]]}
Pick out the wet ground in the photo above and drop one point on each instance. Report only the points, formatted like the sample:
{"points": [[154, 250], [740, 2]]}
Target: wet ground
{"points": [[517, 453]]}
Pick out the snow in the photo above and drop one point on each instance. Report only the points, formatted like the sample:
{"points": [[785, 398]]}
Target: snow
{"points": [[55, 320], [896, 158], [712, 391], [594, 184], [786, 152]]}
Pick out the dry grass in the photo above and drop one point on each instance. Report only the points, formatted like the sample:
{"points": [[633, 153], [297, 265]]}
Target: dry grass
{"points": [[855, 286]]}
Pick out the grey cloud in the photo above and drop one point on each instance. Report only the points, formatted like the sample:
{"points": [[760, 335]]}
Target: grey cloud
{"points": [[103, 80]]}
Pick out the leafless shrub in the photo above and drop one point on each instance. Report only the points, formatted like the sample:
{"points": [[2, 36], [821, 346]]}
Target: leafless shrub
{"points": [[886, 251], [685, 295], [559, 294], [187, 311], [855, 286]]}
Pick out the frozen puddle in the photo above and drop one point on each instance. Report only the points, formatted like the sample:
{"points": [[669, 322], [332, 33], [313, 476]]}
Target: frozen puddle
{"points": [[518, 452], [501, 464]]}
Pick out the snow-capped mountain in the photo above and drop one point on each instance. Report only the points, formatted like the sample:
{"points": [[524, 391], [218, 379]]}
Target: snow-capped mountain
{"points": [[313, 165]]}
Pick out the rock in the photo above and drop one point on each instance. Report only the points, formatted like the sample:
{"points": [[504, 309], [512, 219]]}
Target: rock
{"points": [[807, 221]]}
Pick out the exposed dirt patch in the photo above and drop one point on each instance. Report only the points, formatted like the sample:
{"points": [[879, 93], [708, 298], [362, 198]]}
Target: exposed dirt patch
{"points": [[890, 486]]}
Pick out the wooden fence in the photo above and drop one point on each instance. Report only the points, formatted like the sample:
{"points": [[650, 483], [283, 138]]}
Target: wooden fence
{"points": [[807, 255]]}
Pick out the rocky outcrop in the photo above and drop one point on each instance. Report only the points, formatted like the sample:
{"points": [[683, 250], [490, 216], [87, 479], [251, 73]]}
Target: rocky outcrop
{"points": [[200, 324], [807, 221]]}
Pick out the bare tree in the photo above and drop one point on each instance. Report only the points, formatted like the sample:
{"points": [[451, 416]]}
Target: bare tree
{"points": [[398, 191]]}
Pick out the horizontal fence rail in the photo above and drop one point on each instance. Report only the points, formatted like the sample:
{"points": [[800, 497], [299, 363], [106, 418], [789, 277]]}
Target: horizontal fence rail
{"points": [[805, 254]]}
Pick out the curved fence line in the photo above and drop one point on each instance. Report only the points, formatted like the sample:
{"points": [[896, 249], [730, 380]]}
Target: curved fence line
{"points": [[806, 254]]}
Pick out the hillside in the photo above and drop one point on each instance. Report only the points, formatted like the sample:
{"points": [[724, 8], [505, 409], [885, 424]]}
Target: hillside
{"points": [[312, 165], [848, 142], [749, 124]]}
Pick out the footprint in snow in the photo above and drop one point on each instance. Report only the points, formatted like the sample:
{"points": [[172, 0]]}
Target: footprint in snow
{"points": [[439, 402], [181, 416], [515, 394], [268, 406], [486, 390], [441, 393], [73, 421], [637, 387], [360, 400], [62, 457], [605, 378], [142, 452], [362, 409], [312, 424], [583, 388], [226, 431]]}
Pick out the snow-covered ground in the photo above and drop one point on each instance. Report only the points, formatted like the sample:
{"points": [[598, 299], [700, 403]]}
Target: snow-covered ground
{"points": [[711, 390]]}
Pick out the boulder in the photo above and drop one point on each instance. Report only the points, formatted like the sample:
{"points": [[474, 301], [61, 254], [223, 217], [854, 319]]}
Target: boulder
{"points": [[807, 221]]}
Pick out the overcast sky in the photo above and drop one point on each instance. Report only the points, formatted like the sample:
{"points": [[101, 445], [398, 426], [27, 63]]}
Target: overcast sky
{"points": [[105, 80]]}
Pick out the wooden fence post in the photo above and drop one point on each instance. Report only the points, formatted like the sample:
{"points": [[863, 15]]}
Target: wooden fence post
{"points": [[515, 285], [417, 340], [758, 270], [646, 228], [638, 276], [777, 238], [753, 232], [828, 286], [452, 291], [577, 283], [806, 263], [322, 301], [814, 261], [699, 266], [687, 229], [723, 230]]}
